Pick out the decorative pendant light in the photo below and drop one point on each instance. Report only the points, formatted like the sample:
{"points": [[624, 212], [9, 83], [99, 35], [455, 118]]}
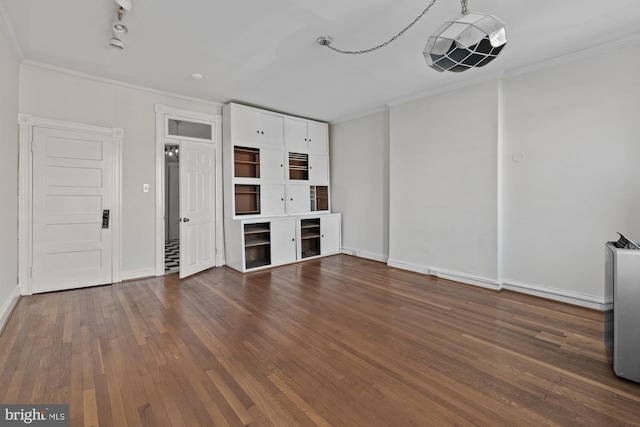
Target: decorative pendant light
{"points": [[470, 40]]}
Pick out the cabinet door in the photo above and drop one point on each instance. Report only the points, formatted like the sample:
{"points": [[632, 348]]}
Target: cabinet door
{"points": [[272, 129], [318, 138], [318, 169], [296, 135], [330, 234], [272, 165], [283, 241], [245, 124], [272, 199], [298, 199]]}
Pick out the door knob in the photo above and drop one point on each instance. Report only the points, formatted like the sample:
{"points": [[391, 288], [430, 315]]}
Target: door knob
{"points": [[184, 219]]}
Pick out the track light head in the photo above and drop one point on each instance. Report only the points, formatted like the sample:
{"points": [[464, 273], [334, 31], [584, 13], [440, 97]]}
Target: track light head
{"points": [[116, 43]]}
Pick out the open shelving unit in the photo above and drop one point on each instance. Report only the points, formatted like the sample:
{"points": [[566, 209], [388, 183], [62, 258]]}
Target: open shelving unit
{"points": [[247, 199], [257, 244], [319, 197], [246, 162], [298, 166], [310, 237]]}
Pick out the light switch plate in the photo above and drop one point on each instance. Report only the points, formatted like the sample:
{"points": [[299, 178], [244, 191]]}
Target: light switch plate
{"points": [[145, 188]]}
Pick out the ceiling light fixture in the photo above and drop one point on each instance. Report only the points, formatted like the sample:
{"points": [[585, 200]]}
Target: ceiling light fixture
{"points": [[470, 40]]}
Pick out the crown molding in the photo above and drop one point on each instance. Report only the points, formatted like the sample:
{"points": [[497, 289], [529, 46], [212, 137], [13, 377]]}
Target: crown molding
{"points": [[36, 64]]}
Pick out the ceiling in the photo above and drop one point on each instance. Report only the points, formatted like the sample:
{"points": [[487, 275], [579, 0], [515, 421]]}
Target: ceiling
{"points": [[265, 53]]}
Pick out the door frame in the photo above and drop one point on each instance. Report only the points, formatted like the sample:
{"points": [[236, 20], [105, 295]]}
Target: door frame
{"points": [[26, 123], [163, 114]]}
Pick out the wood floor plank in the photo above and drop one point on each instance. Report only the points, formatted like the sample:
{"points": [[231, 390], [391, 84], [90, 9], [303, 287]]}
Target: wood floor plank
{"points": [[337, 341]]}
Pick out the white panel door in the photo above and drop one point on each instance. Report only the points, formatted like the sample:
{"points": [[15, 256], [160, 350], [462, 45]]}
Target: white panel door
{"points": [[298, 199], [272, 129], [283, 241], [318, 138], [272, 199], [72, 188], [296, 135], [330, 234], [318, 169], [272, 165], [197, 207], [245, 125]]}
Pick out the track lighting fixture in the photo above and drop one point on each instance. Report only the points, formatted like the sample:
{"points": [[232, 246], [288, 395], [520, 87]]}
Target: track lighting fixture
{"points": [[467, 41], [119, 27]]}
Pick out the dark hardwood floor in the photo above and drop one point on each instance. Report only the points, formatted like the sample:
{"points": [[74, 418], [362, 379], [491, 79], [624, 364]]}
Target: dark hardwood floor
{"points": [[339, 341]]}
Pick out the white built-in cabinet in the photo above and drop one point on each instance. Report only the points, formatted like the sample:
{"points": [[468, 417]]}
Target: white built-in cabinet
{"points": [[276, 174]]}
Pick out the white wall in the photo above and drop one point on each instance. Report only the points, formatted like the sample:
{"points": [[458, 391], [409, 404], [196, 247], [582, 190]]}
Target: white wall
{"points": [[62, 96], [9, 79], [360, 184], [461, 207], [444, 188], [579, 125]]}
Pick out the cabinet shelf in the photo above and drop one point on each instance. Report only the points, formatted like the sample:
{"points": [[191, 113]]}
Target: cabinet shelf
{"points": [[310, 237], [298, 166], [246, 162], [257, 244], [247, 199], [319, 197]]}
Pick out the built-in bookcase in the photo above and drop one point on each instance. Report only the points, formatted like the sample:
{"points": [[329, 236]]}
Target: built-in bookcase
{"points": [[276, 189], [246, 162], [257, 244]]}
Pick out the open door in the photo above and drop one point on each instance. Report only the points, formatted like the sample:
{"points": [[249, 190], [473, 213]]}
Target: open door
{"points": [[197, 207]]}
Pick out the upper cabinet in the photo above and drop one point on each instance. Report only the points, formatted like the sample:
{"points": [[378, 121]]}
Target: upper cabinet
{"points": [[306, 136], [254, 126], [274, 164]]}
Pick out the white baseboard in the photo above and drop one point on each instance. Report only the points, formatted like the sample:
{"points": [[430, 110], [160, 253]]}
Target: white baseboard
{"points": [[8, 306], [364, 254], [569, 297], [555, 294], [456, 276], [138, 274]]}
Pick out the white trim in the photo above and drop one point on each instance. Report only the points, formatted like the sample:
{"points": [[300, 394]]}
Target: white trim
{"points": [[499, 184], [574, 56], [138, 274], [574, 298], [469, 279], [365, 254], [160, 184], [8, 306], [117, 82], [555, 294], [164, 112], [5, 25], [26, 124]]}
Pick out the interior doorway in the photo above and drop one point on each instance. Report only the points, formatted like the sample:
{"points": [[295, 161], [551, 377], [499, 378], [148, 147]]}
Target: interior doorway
{"points": [[189, 235], [70, 205], [172, 208]]}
